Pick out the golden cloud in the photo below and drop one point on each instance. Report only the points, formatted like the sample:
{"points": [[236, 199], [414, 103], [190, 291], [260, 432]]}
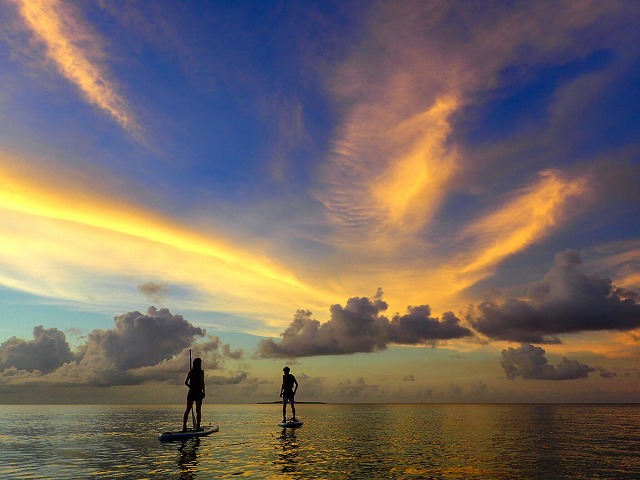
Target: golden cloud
{"points": [[77, 54]]}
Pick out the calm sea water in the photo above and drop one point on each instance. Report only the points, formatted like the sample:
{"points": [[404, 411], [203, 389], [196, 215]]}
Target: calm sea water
{"points": [[336, 442]]}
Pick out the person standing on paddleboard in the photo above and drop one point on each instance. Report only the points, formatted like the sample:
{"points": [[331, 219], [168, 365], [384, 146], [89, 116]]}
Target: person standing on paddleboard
{"points": [[287, 392], [195, 382]]}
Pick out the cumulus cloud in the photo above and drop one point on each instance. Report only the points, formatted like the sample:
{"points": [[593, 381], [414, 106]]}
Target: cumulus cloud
{"points": [[140, 348], [565, 301], [530, 363], [140, 340], [175, 368], [47, 351], [360, 327]]}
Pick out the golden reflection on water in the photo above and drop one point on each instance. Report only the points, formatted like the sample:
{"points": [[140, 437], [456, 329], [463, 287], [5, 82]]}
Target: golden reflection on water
{"points": [[446, 442], [188, 459], [286, 458]]}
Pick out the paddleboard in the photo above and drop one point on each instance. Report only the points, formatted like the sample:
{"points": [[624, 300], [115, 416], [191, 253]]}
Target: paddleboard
{"points": [[290, 424], [171, 436]]}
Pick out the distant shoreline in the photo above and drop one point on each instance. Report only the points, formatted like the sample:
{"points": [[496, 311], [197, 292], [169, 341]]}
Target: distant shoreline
{"points": [[280, 401]]}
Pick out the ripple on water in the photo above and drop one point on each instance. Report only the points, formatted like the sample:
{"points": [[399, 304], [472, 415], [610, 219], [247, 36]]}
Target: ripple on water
{"points": [[336, 442]]}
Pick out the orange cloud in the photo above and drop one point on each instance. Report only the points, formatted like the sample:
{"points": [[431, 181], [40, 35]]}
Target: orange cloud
{"points": [[77, 54], [389, 173], [526, 219], [410, 189]]}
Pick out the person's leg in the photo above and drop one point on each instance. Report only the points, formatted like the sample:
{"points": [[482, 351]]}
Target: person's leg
{"points": [[185, 417], [198, 413], [284, 409], [293, 409]]}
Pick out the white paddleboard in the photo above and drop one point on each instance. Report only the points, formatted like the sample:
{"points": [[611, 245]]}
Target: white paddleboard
{"points": [[171, 436], [290, 424]]}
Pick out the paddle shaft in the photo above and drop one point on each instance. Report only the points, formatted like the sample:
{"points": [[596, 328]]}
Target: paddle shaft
{"points": [[193, 416]]}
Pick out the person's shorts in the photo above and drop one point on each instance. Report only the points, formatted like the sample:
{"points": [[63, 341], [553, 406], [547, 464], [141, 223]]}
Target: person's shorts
{"points": [[194, 396], [287, 399]]}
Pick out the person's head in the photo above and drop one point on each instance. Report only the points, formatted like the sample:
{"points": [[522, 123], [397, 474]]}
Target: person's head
{"points": [[286, 370], [197, 363]]}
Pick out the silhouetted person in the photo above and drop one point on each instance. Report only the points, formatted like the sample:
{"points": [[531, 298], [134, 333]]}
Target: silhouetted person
{"points": [[195, 382], [288, 392]]}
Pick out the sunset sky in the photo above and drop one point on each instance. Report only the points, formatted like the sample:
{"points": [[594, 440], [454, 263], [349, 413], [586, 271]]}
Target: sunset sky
{"points": [[430, 201]]}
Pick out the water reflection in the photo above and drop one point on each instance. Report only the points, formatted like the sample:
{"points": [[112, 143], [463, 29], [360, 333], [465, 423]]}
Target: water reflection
{"points": [[287, 456], [409, 442], [188, 458]]}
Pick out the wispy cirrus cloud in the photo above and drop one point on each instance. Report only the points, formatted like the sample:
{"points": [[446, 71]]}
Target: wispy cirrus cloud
{"points": [[398, 160], [529, 216], [77, 53]]}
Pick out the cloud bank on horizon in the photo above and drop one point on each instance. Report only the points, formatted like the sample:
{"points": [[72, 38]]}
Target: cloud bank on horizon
{"points": [[140, 348], [529, 362], [150, 347], [241, 162]]}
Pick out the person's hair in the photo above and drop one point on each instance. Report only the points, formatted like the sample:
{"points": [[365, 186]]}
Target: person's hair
{"points": [[286, 369], [197, 364]]}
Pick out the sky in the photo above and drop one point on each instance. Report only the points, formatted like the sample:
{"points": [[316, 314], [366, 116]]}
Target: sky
{"points": [[404, 201]]}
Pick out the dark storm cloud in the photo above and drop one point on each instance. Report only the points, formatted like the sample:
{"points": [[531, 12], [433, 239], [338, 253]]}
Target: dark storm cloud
{"points": [[565, 301], [47, 351], [529, 362], [154, 292], [360, 327]]}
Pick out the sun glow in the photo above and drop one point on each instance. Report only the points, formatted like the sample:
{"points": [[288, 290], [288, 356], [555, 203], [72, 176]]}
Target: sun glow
{"points": [[53, 238]]}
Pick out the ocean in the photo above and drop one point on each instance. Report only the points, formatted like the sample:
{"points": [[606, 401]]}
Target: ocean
{"points": [[337, 441]]}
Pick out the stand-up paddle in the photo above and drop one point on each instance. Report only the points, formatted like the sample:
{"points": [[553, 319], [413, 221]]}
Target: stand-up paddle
{"points": [[193, 416]]}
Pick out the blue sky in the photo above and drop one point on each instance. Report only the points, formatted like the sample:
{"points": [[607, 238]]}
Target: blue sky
{"points": [[436, 200]]}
